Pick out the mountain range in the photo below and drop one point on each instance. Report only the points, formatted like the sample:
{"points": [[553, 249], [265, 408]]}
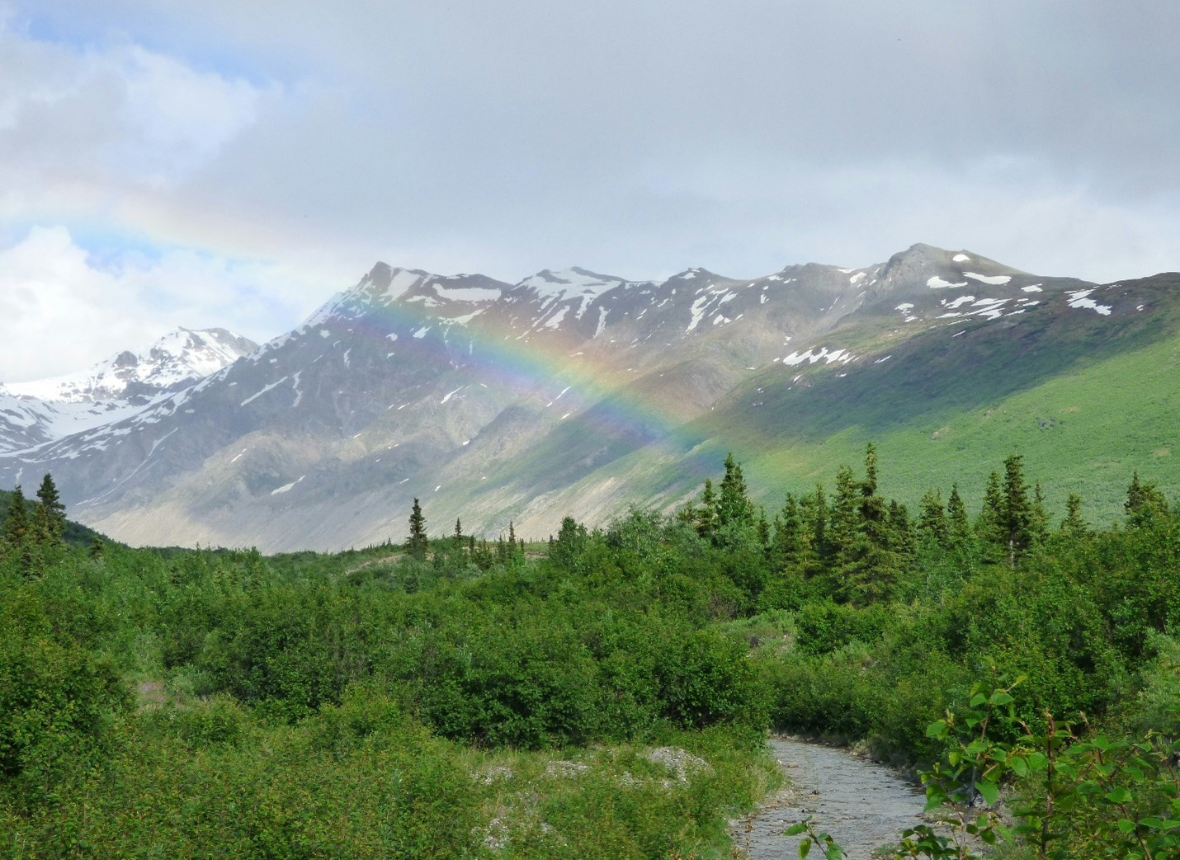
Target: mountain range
{"points": [[579, 393]]}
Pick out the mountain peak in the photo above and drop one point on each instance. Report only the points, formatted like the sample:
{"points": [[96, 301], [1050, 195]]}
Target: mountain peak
{"points": [[180, 356]]}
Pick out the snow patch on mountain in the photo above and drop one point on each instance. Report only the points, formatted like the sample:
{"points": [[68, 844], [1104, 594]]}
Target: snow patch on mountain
{"points": [[570, 282], [1080, 299], [995, 280]]}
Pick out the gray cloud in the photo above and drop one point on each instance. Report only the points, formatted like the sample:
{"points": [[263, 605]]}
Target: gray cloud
{"points": [[644, 137]]}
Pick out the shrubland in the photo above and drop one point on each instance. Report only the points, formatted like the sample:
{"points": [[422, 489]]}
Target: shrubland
{"points": [[603, 695]]}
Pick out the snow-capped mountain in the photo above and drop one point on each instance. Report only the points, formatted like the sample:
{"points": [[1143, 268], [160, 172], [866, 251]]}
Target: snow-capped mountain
{"points": [[175, 360], [568, 392], [34, 413]]}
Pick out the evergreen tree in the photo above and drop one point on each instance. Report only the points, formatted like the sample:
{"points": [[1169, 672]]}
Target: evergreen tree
{"points": [[16, 527], [418, 543], [844, 516], [874, 513], [901, 530], [18, 538], [1039, 520], [457, 537], [989, 528], [734, 508], [763, 529], [707, 513], [49, 517], [932, 519], [788, 545], [1016, 513], [958, 525], [1073, 524], [818, 524], [1144, 502]]}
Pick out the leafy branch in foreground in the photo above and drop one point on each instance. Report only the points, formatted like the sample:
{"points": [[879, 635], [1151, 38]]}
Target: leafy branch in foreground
{"points": [[811, 837]]}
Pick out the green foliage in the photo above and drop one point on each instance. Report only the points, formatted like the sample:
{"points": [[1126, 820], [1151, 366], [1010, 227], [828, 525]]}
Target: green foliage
{"points": [[306, 705]]}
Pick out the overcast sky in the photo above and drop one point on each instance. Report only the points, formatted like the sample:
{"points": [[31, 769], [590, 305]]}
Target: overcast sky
{"points": [[236, 162]]}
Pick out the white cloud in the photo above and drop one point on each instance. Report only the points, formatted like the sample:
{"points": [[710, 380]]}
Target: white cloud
{"points": [[75, 125], [61, 310]]}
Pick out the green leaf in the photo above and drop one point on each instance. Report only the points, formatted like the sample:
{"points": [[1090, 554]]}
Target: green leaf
{"points": [[989, 790], [804, 848], [796, 829], [978, 699], [1118, 794], [1126, 825], [1019, 766], [936, 729], [999, 698]]}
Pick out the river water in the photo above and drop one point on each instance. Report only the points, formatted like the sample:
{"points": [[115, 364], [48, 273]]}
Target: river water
{"points": [[863, 805]]}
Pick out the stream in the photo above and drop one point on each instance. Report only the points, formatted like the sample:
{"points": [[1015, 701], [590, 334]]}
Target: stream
{"points": [[862, 804]]}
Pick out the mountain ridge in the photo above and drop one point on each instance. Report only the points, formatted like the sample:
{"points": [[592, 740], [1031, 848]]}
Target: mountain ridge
{"points": [[496, 401]]}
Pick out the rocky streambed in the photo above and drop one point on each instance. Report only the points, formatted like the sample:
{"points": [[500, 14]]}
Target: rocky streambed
{"points": [[864, 805]]}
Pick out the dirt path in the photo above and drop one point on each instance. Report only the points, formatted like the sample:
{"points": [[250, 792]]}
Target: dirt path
{"points": [[862, 804]]}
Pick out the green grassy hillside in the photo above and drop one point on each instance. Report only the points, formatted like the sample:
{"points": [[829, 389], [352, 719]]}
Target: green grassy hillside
{"points": [[1087, 399]]}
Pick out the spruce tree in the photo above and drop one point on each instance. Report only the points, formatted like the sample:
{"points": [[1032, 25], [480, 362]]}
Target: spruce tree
{"points": [[1017, 516], [707, 512], [932, 519], [16, 526], [844, 516], [787, 549], [957, 524], [49, 518], [18, 539], [734, 508], [1144, 502], [874, 513], [1073, 524], [418, 543], [1039, 519]]}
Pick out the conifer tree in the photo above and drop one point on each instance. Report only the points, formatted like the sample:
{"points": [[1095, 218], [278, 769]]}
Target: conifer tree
{"points": [[457, 537], [843, 519], [18, 539], [1144, 502], [958, 525], [707, 512], [988, 525], [418, 543], [874, 514], [16, 526], [1039, 518], [734, 508], [1073, 524], [788, 543], [1016, 513], [818, 522], [932, 519], [49, 518]]}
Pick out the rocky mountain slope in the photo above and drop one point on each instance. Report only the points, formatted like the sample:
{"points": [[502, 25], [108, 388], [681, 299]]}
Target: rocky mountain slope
{"points": [[575, 392]]}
